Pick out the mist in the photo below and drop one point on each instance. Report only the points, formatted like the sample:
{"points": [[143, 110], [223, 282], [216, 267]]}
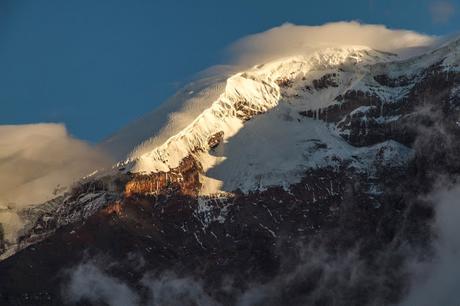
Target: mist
{"points": [[312, 277], [37, 161], [89, 282], [289, 39], [437, 281]]}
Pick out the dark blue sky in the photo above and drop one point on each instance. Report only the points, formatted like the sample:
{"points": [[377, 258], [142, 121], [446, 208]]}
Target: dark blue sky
{"points": [[96, 65]]}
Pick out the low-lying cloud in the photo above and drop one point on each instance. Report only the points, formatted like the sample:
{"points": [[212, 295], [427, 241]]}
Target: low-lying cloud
{"points": [[36, 161], [437, 281], [315, 277], [289, 39], [171, 290], [88, 282]]}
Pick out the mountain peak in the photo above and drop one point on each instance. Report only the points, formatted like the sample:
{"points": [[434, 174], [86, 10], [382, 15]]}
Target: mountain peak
{"points": [[271, 92]]}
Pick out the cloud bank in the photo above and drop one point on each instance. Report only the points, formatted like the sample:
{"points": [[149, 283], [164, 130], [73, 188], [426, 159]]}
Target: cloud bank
{"points": [[289, 39], [35, 161]]}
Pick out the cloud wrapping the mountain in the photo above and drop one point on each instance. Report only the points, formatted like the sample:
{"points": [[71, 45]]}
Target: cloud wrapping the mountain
{"points": [[289, 39], [89, 283], [35, 160], [437, 281], [323, 278]]}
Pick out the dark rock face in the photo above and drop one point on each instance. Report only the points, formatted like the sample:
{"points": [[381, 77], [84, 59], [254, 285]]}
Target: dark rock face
{"points": [[250, 239], [400, 81], [325, 81], [338, 237], [363, 118]]}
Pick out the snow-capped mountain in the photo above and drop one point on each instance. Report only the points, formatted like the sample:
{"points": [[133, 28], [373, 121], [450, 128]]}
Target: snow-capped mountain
{"points": [[253, 154], [329, 150]]}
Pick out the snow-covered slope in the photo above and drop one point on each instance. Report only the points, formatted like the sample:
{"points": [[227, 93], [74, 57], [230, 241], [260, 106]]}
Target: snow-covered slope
{"points": [[170, 117], [277, 143], [246, 130]]}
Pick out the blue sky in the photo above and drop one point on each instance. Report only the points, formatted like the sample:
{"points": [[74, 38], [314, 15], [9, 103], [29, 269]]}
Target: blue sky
{"points": [[96, 65]]}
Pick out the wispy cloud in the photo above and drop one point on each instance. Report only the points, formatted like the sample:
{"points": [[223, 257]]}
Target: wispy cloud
{"points": [[36, 159], [290, 39], [87, 282], [437, 282], [442, 11]]}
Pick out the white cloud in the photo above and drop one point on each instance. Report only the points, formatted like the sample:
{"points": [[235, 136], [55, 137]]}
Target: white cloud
{"points": [[34, 160], [442, 11], [289, 39]]}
